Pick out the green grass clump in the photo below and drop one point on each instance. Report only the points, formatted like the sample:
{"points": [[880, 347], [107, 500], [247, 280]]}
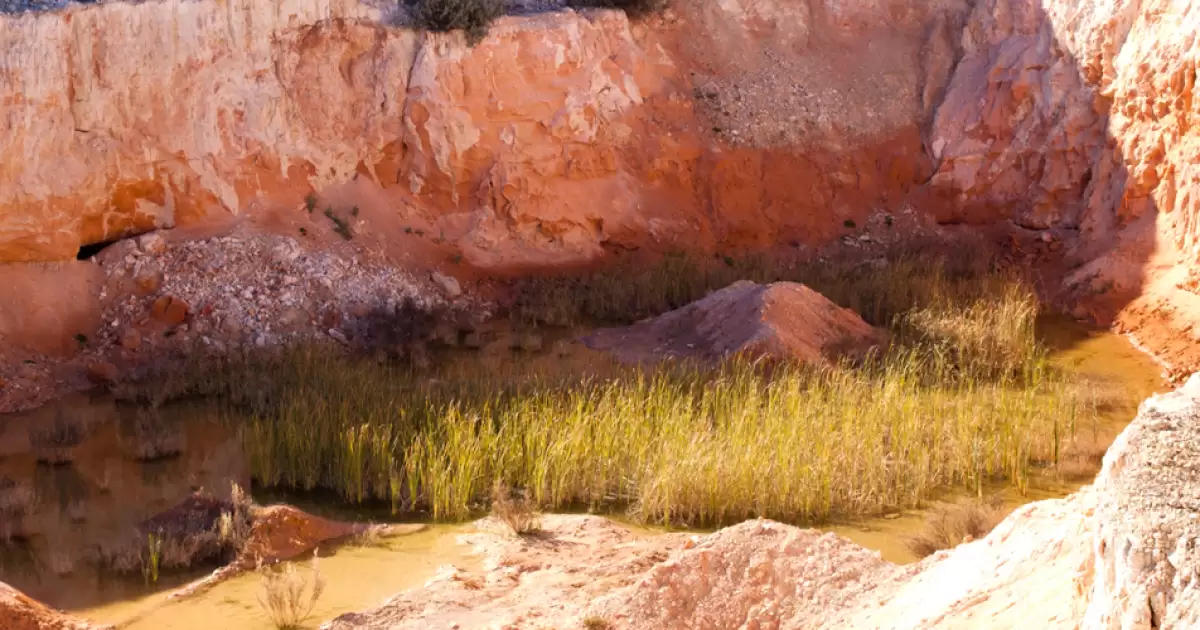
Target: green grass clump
{"points": [[675, 446], [964, 397]]}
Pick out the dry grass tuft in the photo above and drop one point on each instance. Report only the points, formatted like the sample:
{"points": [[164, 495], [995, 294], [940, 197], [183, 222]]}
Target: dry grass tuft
{"points": [[596, 623], [950, 525], [514, 508], [288, 597]]}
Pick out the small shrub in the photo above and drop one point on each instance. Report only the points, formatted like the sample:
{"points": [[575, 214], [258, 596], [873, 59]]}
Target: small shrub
{"points": [[310, 202], [470, 16], [514, 509], [340, 225], [288, 597], [948, 526], [596, 623]]}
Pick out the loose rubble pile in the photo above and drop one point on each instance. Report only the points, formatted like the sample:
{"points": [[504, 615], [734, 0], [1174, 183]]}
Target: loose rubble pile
{"points": [[166, 297], [246, 288]]}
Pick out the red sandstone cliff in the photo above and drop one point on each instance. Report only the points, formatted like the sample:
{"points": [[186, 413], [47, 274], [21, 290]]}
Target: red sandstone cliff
{"points": [[723, 124]]}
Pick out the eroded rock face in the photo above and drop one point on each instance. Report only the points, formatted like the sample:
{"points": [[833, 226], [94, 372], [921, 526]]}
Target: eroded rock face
{"points": [[120, 118], [558, 134], [784, 321]]}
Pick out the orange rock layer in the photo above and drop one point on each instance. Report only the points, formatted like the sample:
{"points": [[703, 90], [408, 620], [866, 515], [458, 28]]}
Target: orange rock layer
{"points": [[563, 135]]}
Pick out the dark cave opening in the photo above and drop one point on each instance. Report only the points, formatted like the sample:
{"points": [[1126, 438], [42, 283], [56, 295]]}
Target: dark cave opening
{"points": [[87, 251]]}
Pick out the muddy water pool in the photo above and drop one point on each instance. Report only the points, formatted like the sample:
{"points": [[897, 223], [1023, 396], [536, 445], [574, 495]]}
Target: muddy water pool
{"points": [[77, 477]]}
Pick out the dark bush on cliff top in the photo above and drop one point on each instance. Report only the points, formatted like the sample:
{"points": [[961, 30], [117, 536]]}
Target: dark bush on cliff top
{"points": [[471, 16]]}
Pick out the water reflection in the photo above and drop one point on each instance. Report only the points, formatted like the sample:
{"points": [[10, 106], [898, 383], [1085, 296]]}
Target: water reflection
{"points": [[78, 477]]}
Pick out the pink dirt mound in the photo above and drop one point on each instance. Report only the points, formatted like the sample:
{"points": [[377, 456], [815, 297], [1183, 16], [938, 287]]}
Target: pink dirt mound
{"points": [[18, 612], [784, 320]]}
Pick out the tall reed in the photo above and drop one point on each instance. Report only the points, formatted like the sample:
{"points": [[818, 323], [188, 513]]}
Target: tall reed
{"points": [[964, 398], [676, 445]]}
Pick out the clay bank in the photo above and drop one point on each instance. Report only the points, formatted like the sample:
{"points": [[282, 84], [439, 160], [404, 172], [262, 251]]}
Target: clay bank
{"points": [[851, 265]]}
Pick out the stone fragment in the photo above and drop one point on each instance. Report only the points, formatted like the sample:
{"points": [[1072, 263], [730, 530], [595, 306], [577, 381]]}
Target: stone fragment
{"points": [[149, 281], [152, 243], [448, 284], [131, 339], [102, 372], [169, 310]]}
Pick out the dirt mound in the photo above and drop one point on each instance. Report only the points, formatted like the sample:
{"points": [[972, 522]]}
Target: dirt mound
{"points": [[18, 612], [279, 532], [784, 320]]}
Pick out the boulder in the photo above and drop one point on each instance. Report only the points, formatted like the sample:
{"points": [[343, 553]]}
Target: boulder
{"points": [[785, 321]]}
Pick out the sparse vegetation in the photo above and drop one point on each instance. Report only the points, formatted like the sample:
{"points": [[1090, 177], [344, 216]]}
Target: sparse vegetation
{"points": [[470, 16], [288, 597], [310, 202], [513, 508], [949, 525]]}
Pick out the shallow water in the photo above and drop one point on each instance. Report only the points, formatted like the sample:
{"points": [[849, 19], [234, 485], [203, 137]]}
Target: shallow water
{"points": [[356, 577], [61, 516]]}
